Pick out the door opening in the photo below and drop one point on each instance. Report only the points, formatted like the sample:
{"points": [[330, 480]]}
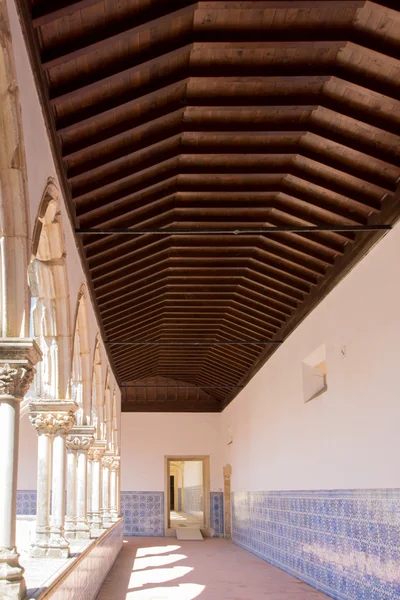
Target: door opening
{"points": [[172, 490], [187, 502]]}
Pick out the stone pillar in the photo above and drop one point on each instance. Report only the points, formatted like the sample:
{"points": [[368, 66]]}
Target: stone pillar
{"points": [[70, 518], [97, 452], [106, 463], [79, 441], [18, 356], [227, 500], [114, 492], [89, 487], [52, 420]]}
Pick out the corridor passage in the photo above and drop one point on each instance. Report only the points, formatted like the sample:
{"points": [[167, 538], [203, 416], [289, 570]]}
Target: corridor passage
{"points": [[165, 569]]}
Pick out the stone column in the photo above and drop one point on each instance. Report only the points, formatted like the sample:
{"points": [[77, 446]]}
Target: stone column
{"points": [[97, 452], [52, 420], [18, 356], [114, 469], [70, 517], [79, 441], [106, 463], [227, 500], [89, 487]]}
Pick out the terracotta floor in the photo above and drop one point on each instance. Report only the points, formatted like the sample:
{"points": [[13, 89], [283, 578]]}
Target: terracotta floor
{"points": [[216, 569]]}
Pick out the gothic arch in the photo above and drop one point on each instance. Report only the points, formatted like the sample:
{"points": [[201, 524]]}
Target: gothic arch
{"points": [[50, 318], [114, 426], [80, 375], [107, 432], [97, 398], [14, 231]]}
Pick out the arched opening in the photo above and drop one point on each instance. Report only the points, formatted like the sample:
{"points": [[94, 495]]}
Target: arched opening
{"points": [[80, 378], [97, 401], [107, 431], [114, 427], [49, 299], [14, 238]]}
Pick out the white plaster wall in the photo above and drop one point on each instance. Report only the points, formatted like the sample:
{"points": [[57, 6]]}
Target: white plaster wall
{"points": [[192, 473], [27, 460], [148, 437], [349, 436], [40, 166]]}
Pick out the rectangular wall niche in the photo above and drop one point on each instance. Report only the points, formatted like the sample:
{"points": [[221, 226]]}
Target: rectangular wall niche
{"points": [[314, 374]]}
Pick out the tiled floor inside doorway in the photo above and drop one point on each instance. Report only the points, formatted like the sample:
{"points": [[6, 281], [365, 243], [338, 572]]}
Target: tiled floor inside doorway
{"points": [[165, 569], [182, 519]]}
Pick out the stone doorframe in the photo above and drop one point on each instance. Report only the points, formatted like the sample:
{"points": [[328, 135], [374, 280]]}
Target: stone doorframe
{"points": [[227, 501], [206, 529]]}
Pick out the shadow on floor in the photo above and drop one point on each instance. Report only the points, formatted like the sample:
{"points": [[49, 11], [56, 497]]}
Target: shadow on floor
{"points": [[165, 569]]}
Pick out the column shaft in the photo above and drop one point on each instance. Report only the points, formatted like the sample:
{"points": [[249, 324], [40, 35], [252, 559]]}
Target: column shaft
{"points": [[89, 488], [105, 513], [59, 544], [113, 495], [45, 447], [17, 359], [96, 520], [82, 527], [70, 520], [12, 584]]}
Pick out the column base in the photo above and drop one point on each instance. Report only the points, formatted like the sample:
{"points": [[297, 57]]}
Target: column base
{"points": [[49, 551], [114, 516], [106, 519], [82, 531], [12, 583], [50, 544], [96, 526], [70, 529]]}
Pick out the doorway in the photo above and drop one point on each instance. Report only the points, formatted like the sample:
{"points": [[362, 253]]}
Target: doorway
{"points": [[187, 493]]}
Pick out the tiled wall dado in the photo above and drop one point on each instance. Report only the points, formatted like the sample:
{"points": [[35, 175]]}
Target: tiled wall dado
{"points": [[144, 513], [26, 502], [85, 577], [345, 543], [217, 513], [193, 500]]}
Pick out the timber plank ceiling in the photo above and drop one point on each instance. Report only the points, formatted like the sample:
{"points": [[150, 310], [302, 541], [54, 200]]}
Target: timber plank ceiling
{"points": [[206, 119]]}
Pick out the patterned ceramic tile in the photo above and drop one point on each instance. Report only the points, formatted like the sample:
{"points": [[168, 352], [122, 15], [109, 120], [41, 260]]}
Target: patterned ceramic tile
{"points": [[143, 512], [193, 496], [345, 543], [26, 502], [217, 513]]}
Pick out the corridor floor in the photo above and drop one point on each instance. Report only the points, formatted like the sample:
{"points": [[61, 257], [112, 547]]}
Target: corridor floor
{"points": [[165, 569]]}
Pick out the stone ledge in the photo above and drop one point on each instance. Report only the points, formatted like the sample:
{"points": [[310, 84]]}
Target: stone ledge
{"points": [[81, 576]]}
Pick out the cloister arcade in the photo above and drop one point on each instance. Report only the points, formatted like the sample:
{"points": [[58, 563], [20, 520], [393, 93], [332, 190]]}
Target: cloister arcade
{"points": [[52, 371]]}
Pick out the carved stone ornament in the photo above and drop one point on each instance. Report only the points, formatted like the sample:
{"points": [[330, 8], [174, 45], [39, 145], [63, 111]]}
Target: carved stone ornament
{"points": [[96, 454], [52, 417], [52, 423], [79, 442], [115, 463], [15, 380], [107, 461]]}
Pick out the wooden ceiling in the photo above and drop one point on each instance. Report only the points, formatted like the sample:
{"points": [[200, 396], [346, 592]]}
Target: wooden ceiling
{"points": [[205, 118]]}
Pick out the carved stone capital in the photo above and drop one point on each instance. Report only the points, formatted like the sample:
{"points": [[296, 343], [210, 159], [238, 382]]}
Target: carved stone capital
{"points": [[96, 452], [81, 437], [18, 357], [115, 463], [52, 417], [107, 461]]}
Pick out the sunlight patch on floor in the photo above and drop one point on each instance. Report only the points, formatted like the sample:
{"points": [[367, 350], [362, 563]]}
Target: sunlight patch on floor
{"points": [[156, 550], [156, 561], [141, 578], [183, 591]]}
